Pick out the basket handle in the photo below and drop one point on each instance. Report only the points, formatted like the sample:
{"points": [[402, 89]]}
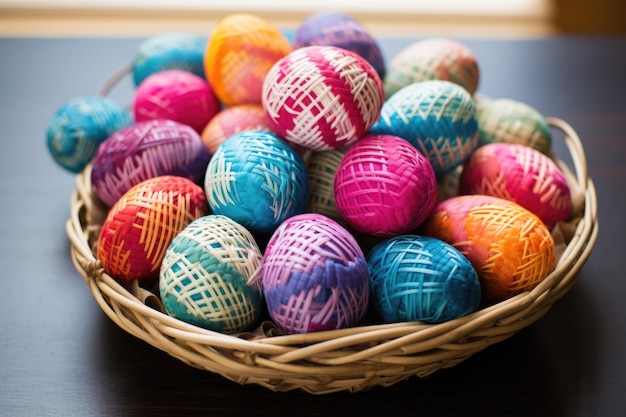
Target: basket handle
{"points": [[575, 148]]}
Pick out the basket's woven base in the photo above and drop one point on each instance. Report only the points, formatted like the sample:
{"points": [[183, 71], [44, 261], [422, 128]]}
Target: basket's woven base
{"points": [[350, 359]]}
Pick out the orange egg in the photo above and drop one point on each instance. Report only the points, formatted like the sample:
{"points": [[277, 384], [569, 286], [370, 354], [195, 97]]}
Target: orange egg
{"points": [[509, 246], [240, 52]]}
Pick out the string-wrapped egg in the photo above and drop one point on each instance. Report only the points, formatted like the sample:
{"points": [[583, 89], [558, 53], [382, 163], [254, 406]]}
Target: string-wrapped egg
{"points": [[512, 121], [322, 97], [384, 186], [433, 59], [314, 276], [176, 95], [80, 126], [240, 52], [143, 222], [342, 31], [205, 276], [521, 174], [510, 248], [437, 117], [145, 150], [168, 51], [321, 168], [421, 278], [258, 180], [232, 120]]}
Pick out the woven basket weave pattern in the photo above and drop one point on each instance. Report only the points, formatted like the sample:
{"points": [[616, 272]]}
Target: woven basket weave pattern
{"points": [[348, 359]]}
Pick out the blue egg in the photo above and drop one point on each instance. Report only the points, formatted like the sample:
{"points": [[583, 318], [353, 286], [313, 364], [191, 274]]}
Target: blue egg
{"points": [[418, 278], [437, 117], [168, 51], [258, 180], [79, 127], [205, 276]]}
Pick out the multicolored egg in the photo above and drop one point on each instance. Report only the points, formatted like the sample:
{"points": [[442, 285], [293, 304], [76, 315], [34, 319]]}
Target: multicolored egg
{"points": [[433, 59], [232, 120], [258, 180], [342, 31], [420, 278], [143, 222], [314, 276], [80, 126], [205, 276], [168, 51], [176, 95], [240, 52], [512, 121], [520, 174], [437, 117], [384, 186], [145, 150], [322, 97], [510, 248]]}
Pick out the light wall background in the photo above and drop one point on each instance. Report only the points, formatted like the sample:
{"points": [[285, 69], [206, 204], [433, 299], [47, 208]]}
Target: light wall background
{"points": [[480, 18]]}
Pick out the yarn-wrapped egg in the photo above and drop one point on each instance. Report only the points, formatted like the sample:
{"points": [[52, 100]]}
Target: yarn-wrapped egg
{"points": [[314, 276], [433, 59], [521, 174], [342, 31], [509, 246], [143, 222], [80, 126], [512, 121], [384, 186], [176, 95], [206, 272], [144, 150], [322, 97], [258, 180], [437, 117], [240, 52], [421, 278], [168, 51], [232, 120], [321, 168]]}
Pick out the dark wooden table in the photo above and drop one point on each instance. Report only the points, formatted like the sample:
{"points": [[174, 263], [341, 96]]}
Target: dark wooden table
{"points": [[61, 356]]}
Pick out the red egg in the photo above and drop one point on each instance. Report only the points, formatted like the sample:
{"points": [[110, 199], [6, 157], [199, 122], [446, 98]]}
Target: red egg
{"points": [[143, 222]]}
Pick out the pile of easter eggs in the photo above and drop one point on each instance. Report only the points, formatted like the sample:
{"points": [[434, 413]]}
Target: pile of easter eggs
{"points": [[302, 181]]}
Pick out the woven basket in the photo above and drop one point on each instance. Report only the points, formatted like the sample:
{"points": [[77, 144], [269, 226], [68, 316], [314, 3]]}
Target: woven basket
{"points": [[350, 359]]}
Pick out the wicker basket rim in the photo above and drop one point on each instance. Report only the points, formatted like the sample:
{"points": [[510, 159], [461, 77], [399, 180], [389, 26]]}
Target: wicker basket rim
{"points": [[344, 359]]}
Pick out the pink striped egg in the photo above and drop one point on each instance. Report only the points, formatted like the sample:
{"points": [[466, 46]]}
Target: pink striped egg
{"points": [[520, 174], [322, 97]]}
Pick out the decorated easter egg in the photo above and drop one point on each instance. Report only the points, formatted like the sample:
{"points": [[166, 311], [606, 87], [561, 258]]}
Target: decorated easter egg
{"points": [[143, 222], [256, 179], [314, 276], [205, 276], [168, 51], [521, 174], [433, 59], [342, 31], [80, 126], [321, 169], [144, 150], [437, 117], [512, 121], [232, 120], [240, 52], [322, 97], [176, 95], [510, 248], [421, 278], [384, 186]]}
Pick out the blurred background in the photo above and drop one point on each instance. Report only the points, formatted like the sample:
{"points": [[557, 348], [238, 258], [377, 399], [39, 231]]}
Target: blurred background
{"points": [[479, 18]]}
